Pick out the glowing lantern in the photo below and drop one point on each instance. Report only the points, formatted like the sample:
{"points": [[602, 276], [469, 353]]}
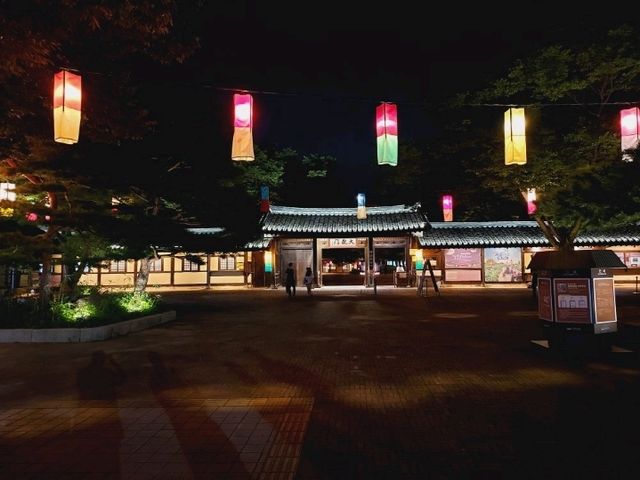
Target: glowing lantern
{"points": [[629, 130], [268, 262], [447, 208], [531, 201], [362, 208], [264, 199], [419, 260], [31, 217], [67, 98], [242, 147], [387, 133], [7, 193], [515, 145]]}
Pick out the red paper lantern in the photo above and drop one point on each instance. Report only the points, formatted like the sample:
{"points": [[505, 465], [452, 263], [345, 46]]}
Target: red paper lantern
{"points": [[387, 133], [531, 201], [629, 130], [447, 208]]}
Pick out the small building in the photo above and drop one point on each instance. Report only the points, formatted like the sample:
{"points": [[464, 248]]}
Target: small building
{"points": [[341, 248], [499, 252]]}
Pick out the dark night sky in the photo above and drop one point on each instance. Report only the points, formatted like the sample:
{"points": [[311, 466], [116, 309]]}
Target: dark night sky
{"points": [[328, 64]]}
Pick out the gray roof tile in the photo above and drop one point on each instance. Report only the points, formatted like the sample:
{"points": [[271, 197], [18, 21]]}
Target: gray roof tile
{"points": [[343, 221], [515, 234]]}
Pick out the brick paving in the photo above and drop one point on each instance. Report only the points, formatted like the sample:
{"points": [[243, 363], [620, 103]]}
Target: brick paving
{"points": [[249, 384]]}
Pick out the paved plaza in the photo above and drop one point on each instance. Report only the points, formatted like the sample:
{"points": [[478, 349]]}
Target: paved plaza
{"points": [[250, 384]]}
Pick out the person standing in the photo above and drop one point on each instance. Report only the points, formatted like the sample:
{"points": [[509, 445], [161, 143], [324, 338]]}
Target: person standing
{"points": [[290, 280], [308, 280]]}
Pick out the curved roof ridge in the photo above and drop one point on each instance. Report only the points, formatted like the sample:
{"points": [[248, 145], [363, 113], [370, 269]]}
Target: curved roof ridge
{"points": [[342, 210], [492, 224]]}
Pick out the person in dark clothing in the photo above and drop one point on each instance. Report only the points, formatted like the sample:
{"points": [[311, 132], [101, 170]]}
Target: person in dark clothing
{"points": [[290, 280]]}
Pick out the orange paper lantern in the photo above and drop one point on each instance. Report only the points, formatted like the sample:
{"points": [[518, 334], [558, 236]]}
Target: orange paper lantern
{"points": [[67, 100]]}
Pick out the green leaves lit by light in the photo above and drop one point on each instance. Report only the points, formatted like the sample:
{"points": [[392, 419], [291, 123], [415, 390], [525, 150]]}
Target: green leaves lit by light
{"points": [[137, 302], [74, 312]]}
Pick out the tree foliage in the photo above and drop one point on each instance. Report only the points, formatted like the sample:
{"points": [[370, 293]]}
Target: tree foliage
{"points": [[572, 93], [112, 45]]}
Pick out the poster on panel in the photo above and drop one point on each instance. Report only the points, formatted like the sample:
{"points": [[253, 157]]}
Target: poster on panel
{"points": [[502, 265], [572, 300], [462, 258], [604, 300]]}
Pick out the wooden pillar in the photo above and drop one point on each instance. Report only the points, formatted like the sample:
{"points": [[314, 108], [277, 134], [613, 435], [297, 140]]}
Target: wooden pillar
{"points": [[314, 261], [208, 270], [408, 266], [173, 270], [370, 268]]}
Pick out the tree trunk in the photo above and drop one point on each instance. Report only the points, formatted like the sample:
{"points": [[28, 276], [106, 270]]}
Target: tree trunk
{"points": [[45, 280], [69, 284], [143, 275]]}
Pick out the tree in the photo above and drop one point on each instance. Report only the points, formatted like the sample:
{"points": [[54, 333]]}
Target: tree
{"points": [[572, 93], [113, 46]]}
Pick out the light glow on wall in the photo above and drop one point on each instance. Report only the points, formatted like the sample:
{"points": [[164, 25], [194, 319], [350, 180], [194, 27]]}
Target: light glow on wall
{"points": [[268, 262]]}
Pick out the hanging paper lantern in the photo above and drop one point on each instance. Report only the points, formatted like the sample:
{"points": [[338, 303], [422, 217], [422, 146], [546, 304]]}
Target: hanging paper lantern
{"points": [[531, 201], [447, 208], [515, 145], [629, 130], [362, 207], [387, 133], [67, 99], [264, 199], [268, 262], [31, 217], [242, 147]]}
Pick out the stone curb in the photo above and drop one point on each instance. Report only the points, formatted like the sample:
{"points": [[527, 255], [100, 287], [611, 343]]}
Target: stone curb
{"points": [[92, 334]]}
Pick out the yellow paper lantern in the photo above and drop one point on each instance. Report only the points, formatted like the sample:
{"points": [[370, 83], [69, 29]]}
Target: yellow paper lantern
{"points": [[67, 100], [515, 145]]}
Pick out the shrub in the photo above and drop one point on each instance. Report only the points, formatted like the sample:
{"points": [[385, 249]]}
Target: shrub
{"points": [[97, 308]]}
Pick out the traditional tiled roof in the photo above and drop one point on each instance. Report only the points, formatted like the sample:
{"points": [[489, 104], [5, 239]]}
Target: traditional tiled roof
{"points": [[205, 230], [514, 234], [260, 244], [343, 221]]}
